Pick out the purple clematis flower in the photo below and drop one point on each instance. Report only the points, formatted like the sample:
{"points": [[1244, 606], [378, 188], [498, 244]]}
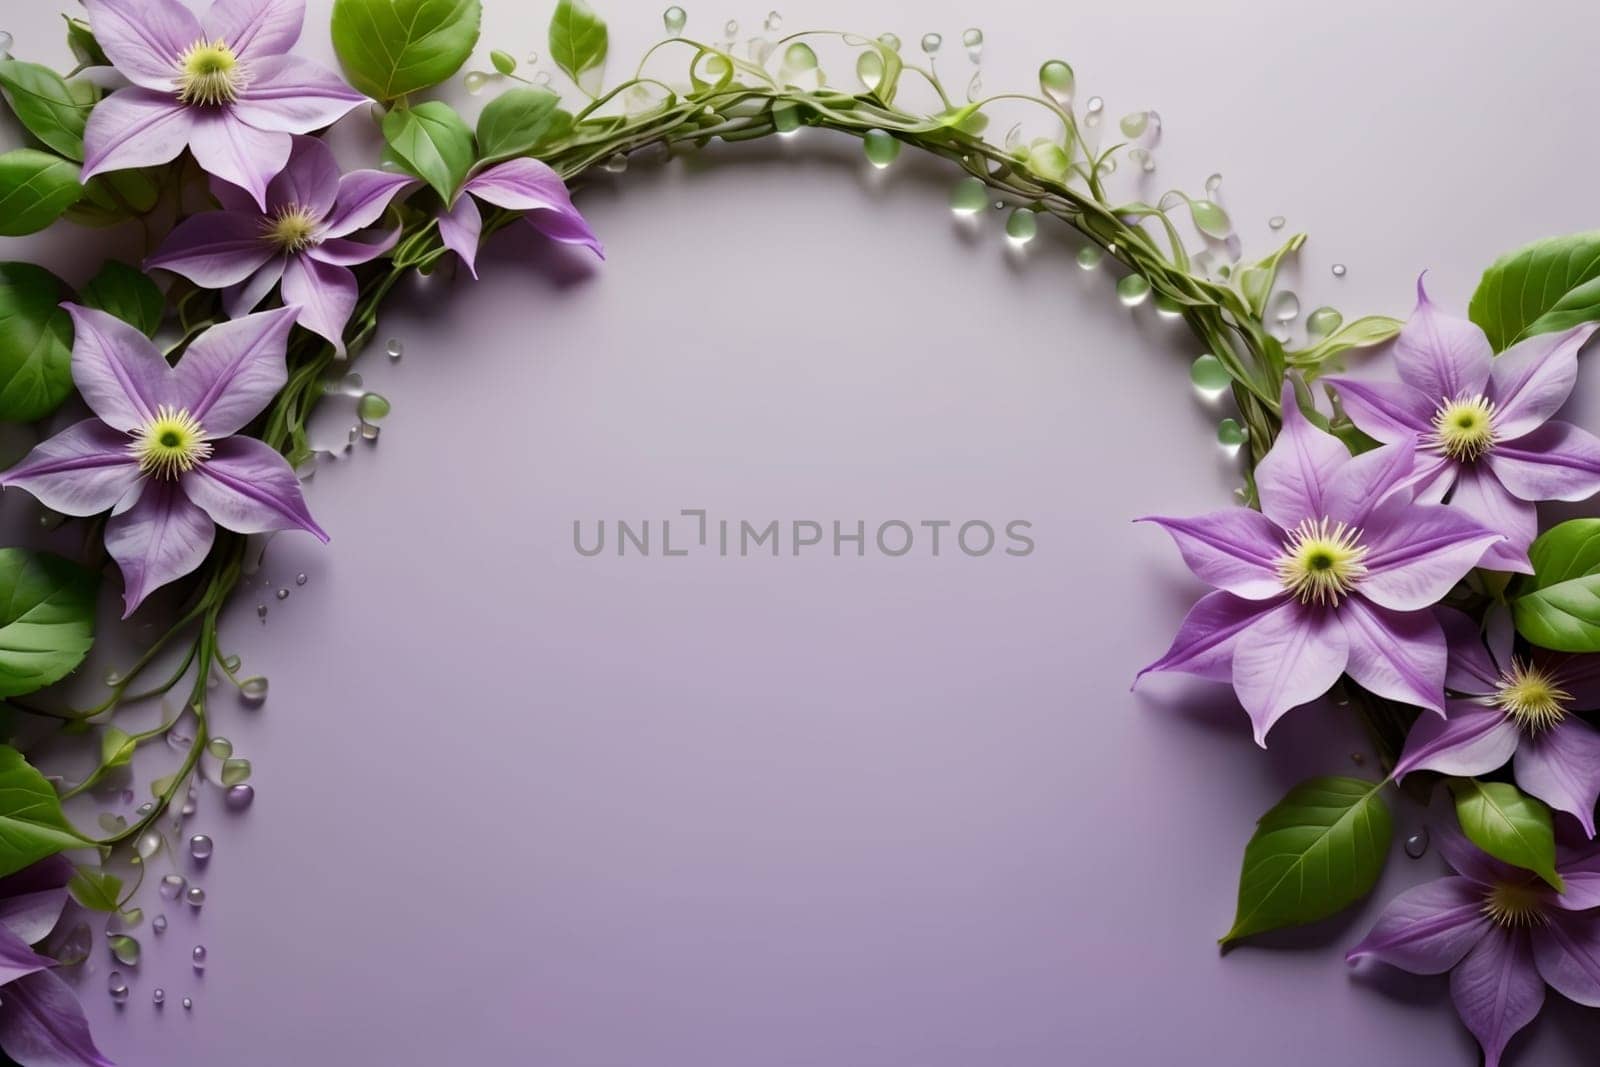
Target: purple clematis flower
{"points": [[1332, 575], [1481, 423], [1510, 706], [161, 455], [222, 86], [520, 184], [1502, 934], [41, 1022], [300, 238]]}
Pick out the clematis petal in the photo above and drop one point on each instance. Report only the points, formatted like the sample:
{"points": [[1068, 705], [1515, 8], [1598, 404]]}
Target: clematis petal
{"points": [[1581, 873], [1235, 550], [42, 1025], [135, 128], [1480, 495], [1205, 642], [364, 196], [1471, 739], [309, 181], [1395, 654], [83, 470], [1367, 480], [234, 369], [32, 899], [1566, 949], [1441, 356], [1497, 989], [17, 959], [524, 184], [214, 249], [118, 371], [1472, 670], [158, 540], [1433, 478], [1577, 674], [345, 252], [237, 152], [460, 229], [293, 95], [242, 299], [255, 29], [1427, 929], [1470, 861], [1532, 379], [1557, 461], [1386, 411], [1289, 655], [325, 295], [1561, 766], [1290, 478], [1417, 552], [247, 487], [144, 39]]}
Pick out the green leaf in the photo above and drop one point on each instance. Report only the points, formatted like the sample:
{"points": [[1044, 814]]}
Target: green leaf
{"points": [[115, 197], [518, 121], [31, 823], [46, 106], [35, 343], [46, 619], [1546, 286], [1317, 851], [95, 889], [389, 48], [1365, 331], [432, 142], [128, 293], [1508, 825], [35, 188], [504, 62], [85, 49], [578, 42], [116, 747], [1559, 606]]}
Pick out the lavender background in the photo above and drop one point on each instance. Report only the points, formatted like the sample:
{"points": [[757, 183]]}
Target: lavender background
{"points": [[520, 806]]}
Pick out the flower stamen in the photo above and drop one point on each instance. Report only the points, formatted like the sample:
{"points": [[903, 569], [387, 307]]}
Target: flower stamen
{"points": [[208, 74], [1464, 429], [1322, 561], [171, 444], [1514, 905], [1531, 697], [292, 228]]}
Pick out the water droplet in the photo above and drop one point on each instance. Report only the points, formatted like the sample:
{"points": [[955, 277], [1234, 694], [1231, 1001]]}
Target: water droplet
{"points": [[730, 29], [774, 22], [195, 896], [159, 924], [146, 808], [200, 846], [253, 690], [1134, 125], [1285, 307], [158, 995], [975, 88], [869, 70], [474, 81], [1277, 222], [282, 594], [1021, 226], [1057, 81], [124, 949], [1339, 270], [220, 747], [785, 118], [1048, 160], [931, 43], [881, 148], [1213, 183], [239, 797], [674, 19], [1323, 321], [1209, 375], [395, 348], [117, 987], [1417, 844], [1133, 289], [235, 771], [973, 39], [261, 613], [172, 886], [148, 845], [1230, 434], [1090, 257], [1096, 105], [300, 579], [542, 78], [889, 41], [113, 678], [369, 431], [198, 957], [188, 1004], [968, 196], [74, 948], [1143, 158]]}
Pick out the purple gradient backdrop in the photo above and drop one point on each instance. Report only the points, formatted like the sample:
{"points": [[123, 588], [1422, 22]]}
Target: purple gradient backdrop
{"points": [[520, 806]]}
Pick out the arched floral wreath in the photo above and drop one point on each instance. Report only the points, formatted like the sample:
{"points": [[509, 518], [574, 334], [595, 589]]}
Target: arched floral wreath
{"points": [[1388, 554]]}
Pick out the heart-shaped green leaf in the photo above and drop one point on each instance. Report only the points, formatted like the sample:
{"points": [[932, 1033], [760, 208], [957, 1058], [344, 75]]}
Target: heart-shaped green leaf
{"points": [[46, 105], [126, 292], [95, 889], [31, 823], [46, 619], [578, 43], [1508, 825], [35, 188], [1559, 606], [518, 121], [389, 48], [432, 142], [35, 343], [1546, 286]]}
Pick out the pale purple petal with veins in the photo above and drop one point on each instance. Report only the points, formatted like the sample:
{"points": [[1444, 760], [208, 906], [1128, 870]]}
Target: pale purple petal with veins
{"points": [[118, 371], [1433, 477], [1288, 656], [83, 470], [248, 487], [293, 95], [1479, 494], [1236, 550], [144, 39], [1290, 478], [1473, 670], [309, 181], [242, 298], [159, 539], [325, 295], [1398, 655], [1442, 356], [345, 252], [1561, 766], [1580, 872], [135, 128], [524, 184], [215, 249], [1471, 739], [1558, 461], [256, 28], [233, 150], [1418, 552], [42, 1025], [1367, 480], [460, 229], [1497, 989], [1530, 381], [1385, 411], [1427, 929], [32, 899], [1206, 640], [233, 370], [17, 959], [1566, 949], [363, 197]]}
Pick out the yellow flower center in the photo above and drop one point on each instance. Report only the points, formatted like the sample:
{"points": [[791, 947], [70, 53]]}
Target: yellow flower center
{"points": [[1514, 905], [170, 444], [1322, 561], [1531, 697], [208, 74], [293, 229], [1464, 429]]}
